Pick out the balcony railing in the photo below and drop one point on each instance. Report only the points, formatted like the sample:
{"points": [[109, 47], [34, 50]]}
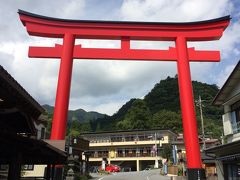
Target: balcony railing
{"points": [[122, 138], [127, 154]]}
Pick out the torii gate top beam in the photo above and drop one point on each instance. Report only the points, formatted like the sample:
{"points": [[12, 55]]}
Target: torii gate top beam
{"points": [[43, 26], [125, 31]]}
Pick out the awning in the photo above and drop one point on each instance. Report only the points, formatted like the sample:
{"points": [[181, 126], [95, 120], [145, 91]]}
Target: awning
{"points": [[31, 151], [226, 152], [229, 158], [18, 109]]}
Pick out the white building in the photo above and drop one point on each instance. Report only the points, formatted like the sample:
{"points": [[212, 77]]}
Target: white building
{"points": [[134, 149], [228, 155]]}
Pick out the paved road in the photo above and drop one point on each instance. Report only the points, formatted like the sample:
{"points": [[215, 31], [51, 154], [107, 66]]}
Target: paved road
{"points": [[142, 175]]}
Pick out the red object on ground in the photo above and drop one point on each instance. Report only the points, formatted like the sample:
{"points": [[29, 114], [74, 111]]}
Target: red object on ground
{"points": [[112, 168], [181, 33]]}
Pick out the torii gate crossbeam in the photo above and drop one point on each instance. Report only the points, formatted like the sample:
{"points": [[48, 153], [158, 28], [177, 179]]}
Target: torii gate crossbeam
{"points": [[181, 33]]}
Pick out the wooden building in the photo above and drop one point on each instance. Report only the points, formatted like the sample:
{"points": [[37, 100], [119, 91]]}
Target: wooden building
{"points": [[18, 136]]}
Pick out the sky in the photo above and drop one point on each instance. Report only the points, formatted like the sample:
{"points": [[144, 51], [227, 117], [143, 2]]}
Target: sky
{"points": [[104, 86]]}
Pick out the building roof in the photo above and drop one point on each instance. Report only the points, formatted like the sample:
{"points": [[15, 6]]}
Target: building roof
{"points": [[130, 131], [18, 109], [226, 151], [206, 158], [32, 151], [232, 81]]}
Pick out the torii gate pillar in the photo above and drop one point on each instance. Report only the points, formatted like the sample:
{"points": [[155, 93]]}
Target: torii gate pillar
{"points": [[63, 89], [181, 33], [187, 106]]}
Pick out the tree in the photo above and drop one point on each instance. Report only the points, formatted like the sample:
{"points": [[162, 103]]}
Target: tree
{"points": [[164, 95], [167, 151], [73, 133], [124, 125], [167, 120], [85, 127], [73, 129], [137, 117]]}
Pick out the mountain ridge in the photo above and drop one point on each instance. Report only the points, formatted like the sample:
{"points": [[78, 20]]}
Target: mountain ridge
{"points": [[160, 108], [79, 114], [162, 104]]}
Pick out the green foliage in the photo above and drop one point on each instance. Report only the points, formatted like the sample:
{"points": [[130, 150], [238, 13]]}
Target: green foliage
{"points": [[160, 108], [74, 133], [167, 151], [73, 130], [137, 117], [85, 127], [120, 115], [114, 122], [212, 128], [79, 114], [124, 125], [164, 95], [167, 120]]}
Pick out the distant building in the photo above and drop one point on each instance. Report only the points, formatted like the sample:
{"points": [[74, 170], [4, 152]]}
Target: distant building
{"points": [[77, 155], [135, 149], [208, 161], [228, 155]]}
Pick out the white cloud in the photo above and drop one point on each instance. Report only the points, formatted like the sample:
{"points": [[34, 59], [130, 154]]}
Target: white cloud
{"points": [[105, 85], [223, 75], [109, 107], [175, 10]]}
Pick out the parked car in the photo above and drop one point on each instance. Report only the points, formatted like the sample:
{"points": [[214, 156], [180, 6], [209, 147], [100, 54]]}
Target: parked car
{"points": [[112, 168]]}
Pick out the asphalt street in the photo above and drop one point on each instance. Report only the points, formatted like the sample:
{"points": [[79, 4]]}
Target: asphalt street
{"points": [[142, 175]]}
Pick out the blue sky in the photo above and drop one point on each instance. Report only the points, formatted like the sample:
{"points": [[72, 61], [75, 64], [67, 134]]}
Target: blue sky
{"points": [[105, 86]]}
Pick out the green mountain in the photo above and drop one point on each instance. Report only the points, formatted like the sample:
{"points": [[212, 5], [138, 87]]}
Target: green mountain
{"points": [[107, 123], [165, 95], [79, 114], [48, 108], [160, 108]]}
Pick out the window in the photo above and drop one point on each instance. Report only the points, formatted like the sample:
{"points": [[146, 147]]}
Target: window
{"points": [[42, 133], [28, 167], [236, 108], [237, 114], [3, 167], [236, 117]]}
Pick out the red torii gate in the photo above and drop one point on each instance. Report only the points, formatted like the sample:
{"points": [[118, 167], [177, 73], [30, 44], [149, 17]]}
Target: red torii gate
{"points": [[181, 33]]}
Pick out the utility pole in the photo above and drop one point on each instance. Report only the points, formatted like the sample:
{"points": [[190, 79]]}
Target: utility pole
{"points": [[201, 116], [156, 160]]}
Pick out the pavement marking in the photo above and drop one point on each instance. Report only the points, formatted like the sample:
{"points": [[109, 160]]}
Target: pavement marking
{"points": [[101, 178], [148, 178]]}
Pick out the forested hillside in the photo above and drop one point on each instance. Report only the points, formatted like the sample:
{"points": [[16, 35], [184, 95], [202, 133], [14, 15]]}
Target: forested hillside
{"points": [[79, 114], [160, 108]]}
